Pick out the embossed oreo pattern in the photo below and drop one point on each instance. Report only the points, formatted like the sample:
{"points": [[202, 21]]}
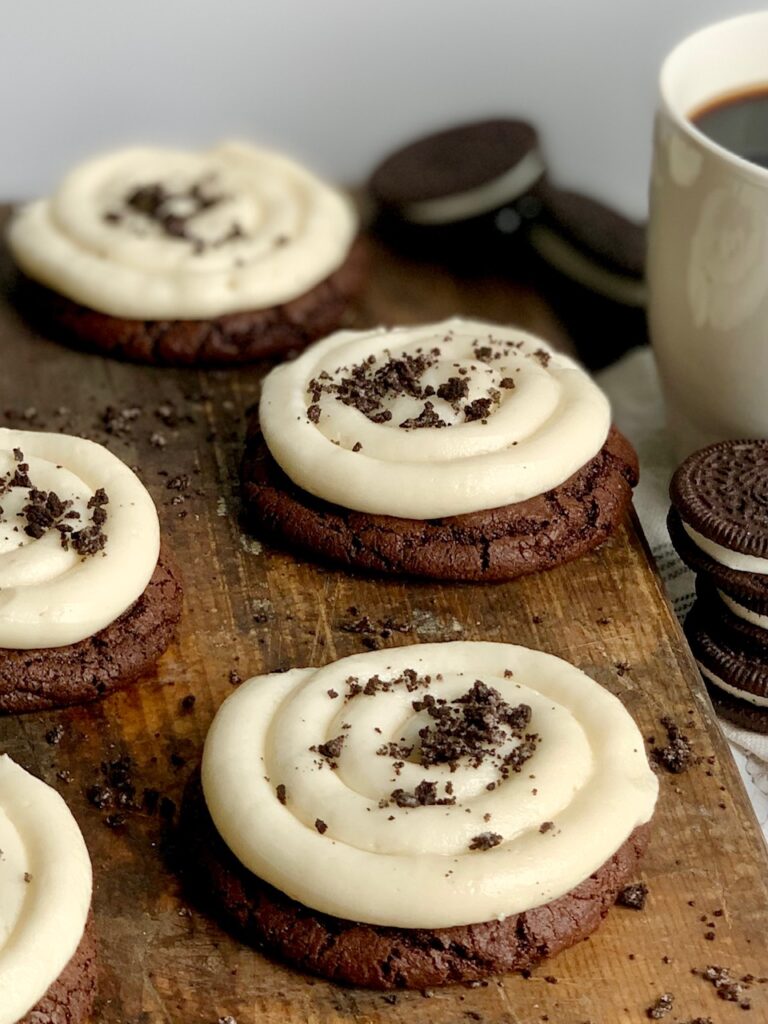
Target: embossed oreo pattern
{"points": [[722, 492]]}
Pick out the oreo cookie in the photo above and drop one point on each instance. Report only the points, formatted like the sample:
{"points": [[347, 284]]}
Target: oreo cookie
{"points": [[460, 173], [728, 623], [736, 674], [721, 492], [592, 244], [589, 262], [748, 588], [463, 195]]}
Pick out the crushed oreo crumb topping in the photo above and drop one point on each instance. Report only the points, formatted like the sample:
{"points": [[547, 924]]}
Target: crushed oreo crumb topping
{"points": [[633, 896], [485, 841], [426, 418], [45, 511], [368, 386], [728, 988], [330, 750], [677, 755], [425, 795], [174, 211], [475, 726], [661, 1007]]}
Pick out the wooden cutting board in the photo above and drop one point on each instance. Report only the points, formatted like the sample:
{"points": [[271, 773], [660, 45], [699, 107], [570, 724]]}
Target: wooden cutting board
{"points": [[252, 609]]}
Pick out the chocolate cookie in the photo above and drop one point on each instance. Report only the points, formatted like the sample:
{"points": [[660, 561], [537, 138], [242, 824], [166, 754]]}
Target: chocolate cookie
{"points": [[224, 340], [722, 492], [602, 237], [749, 588], [70, 998], [463, 196], [33, 680], [378, 957], [460, 172], [738, 712], [495, 544], [718, 652], [589, 264], [740, 633]]}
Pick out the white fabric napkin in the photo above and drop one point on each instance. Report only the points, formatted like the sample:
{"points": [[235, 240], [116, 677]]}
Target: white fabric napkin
{"points": [[632, 385]]}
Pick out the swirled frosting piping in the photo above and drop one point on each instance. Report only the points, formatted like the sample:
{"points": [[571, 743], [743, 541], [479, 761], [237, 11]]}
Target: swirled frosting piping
{"points": [[79, 539], [45, 889], [162, 233], [426, 786], [438, 420]]}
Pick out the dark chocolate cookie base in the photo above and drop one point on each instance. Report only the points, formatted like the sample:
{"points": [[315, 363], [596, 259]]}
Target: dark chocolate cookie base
{"points": [[497, 544], [229, 339], [51, 677], [748, 587], [70, 998], [371, 956]]}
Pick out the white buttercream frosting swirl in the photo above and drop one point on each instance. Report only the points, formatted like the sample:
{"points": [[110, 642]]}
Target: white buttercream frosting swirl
{"points": [[153, 233], [45, 889], [320, 817], [50, 594], [429, 421]]}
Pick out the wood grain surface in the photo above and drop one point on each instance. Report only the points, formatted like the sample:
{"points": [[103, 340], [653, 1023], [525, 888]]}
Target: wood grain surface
{"points": [[251, 609]]}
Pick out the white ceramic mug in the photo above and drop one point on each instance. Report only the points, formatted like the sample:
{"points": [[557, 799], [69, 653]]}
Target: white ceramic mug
{"points": [[708, 245]]}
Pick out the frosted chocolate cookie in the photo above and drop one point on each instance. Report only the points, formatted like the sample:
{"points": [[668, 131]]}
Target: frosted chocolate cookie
{"points": [[458, 450], [420, 815], [719, 518], [174, 257], [88, 601], [47, 953]]}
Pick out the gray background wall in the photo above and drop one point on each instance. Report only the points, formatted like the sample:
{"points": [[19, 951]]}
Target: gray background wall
{"points": [[338, 82]]}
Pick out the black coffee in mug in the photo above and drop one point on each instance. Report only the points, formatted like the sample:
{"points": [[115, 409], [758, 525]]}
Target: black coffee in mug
{"points": [[738, 122]]}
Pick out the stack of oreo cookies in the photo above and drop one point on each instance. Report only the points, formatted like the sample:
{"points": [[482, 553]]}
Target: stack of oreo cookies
{"points": [[719, 526], [478, 197]]}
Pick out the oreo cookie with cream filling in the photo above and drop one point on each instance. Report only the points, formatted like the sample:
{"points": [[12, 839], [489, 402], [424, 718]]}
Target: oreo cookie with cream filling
{"points": [[592, 244], [721, 495], [745, 628], [457, 450], [588, 262], [184, 258], [89, 600], [460, 173], [736, 673], [749, 589], [391, 812], [462, 196]]}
